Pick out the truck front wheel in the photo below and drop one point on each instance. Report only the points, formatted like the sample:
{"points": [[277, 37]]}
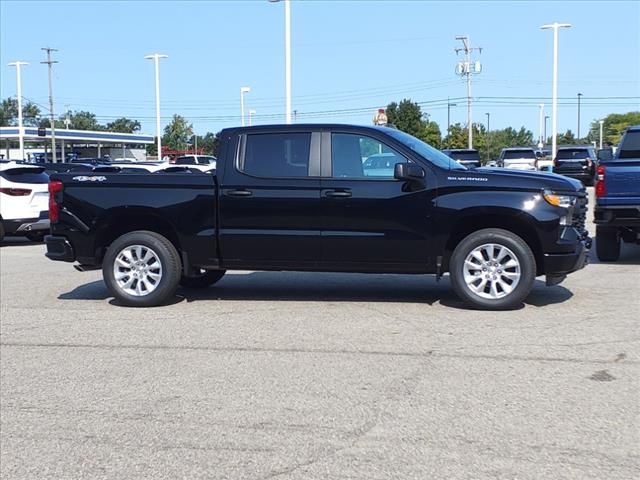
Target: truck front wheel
{"points": [[142, 269], [607, 244], [492, 269]]}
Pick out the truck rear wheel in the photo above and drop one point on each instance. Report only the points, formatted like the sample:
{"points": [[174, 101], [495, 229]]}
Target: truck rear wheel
{"points": [[492, 269], [142, 269], [204, 279], [607, 244]]}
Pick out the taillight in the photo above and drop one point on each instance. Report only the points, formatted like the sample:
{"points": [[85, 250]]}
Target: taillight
{"points": [[15, 192], [55, 187], [600, 188]]}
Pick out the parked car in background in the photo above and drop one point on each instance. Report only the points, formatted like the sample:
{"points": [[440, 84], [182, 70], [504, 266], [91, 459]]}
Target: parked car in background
{"points": [[196, 160], [577, 162], [544, 161], [24, 201], [518, 158], [617, 211], [379, 165], [468, 157]]}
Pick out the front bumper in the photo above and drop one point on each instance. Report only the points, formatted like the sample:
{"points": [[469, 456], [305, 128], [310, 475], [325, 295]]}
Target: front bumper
{"points": [[20, 226], [561, 264], [59, 248]]}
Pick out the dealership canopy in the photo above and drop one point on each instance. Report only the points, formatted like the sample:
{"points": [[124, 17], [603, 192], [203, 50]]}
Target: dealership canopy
{"points": [[79, 136]]}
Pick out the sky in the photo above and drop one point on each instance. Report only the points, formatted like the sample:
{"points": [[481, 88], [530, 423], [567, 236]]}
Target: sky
{"points": [[348, 59]]}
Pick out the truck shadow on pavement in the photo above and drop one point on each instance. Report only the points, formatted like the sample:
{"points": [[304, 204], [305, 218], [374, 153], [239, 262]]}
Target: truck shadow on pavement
{"points": [[325, 287], [629, 255]]}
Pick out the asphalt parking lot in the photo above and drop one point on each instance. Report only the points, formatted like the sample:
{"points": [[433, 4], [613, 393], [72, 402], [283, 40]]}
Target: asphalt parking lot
{"points": [[305, 376]]}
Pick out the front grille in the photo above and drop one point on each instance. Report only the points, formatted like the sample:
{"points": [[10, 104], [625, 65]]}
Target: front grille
{"points": [[579, 219]]}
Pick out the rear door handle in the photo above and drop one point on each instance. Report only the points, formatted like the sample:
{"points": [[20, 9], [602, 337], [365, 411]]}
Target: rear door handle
{"points": [[239, 193], [337, 193]]}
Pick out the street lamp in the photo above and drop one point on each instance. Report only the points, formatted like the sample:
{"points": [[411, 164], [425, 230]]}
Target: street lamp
{"points": [[541, 138], [449, 105], [156, 60], [601, 122], [546, 117], [251, 113], [579, 95], [488, 130], [287, 56], [554, 105], [243, 90], [18, 64]]}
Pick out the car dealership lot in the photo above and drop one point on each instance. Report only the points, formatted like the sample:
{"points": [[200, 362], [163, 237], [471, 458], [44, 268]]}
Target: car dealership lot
{"points": [[300, 375]]}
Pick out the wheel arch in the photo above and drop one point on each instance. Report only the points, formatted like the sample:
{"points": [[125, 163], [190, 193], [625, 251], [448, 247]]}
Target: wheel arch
{"points": [[120, 221], [512, 221]]}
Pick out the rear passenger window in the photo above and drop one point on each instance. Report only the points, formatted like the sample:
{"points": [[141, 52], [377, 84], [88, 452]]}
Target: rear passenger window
{"points": [[276, 155]]}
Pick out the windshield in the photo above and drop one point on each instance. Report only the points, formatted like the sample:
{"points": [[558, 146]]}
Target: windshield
{"points": [[512, 154], [425, 150]]}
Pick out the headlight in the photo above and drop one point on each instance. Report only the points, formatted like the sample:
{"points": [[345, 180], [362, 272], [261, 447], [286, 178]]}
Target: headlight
{"points": [[564, 201]]}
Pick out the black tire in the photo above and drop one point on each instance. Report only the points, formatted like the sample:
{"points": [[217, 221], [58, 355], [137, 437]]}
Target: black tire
{"points": [[607, 244], [205, 279], [504, 238], [166, 254]]}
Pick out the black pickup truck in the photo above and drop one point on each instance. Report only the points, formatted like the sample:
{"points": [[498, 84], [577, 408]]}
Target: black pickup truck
{"points": [[304, 197]]}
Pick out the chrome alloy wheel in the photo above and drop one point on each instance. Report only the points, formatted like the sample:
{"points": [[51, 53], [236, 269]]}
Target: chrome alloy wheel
{"points": [[491, 271], [137, 270]]}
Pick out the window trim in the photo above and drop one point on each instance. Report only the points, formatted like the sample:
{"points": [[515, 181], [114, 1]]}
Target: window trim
{"points": [[328, 143], [314, 156]]}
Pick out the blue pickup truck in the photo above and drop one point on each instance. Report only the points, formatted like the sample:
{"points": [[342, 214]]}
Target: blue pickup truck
{"points": [[617, 211]]}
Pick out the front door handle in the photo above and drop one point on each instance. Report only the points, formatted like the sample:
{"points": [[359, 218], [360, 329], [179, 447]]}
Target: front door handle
{"points": [[337, 193], [239, 193]]}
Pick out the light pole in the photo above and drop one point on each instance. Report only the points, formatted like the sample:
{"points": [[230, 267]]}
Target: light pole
{"points": [[601, 124], [579, 95], [488, 131], [243, 90], [156, 59], [19, 64], [287, 57], [541, 138], [554, 105], [449, 105], [251, 113], [546, 117]]}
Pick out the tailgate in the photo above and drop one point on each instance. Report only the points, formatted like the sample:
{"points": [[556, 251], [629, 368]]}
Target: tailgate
{"points": [[622, 178]]}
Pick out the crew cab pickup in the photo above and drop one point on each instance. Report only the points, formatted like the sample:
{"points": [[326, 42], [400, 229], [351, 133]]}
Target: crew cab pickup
{"points": [[304, 197], [617, 210]]}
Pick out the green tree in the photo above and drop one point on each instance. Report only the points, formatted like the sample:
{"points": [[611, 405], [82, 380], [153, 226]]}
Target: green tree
{"points": [[431, 134], [123, 125], [178, 133], [613, 127], [406, 116], [80, 120], [567, 138], [209, 142], [9, 113]]}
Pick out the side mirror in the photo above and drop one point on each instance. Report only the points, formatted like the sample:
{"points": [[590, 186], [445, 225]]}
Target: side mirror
{"points": [[408, 171]]}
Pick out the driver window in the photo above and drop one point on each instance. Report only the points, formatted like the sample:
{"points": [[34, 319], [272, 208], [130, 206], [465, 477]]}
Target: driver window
{"points": [[359, 156]]}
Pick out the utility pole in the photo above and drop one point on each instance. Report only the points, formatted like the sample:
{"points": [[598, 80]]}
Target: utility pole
{"points": [[546, 117], [449, 105], [156, 61], [601, 122], [467, 68], [50, 62], [579, 95]]}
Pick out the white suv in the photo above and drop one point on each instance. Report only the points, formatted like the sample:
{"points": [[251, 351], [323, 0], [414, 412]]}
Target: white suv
{"points": [[24, 200]]}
